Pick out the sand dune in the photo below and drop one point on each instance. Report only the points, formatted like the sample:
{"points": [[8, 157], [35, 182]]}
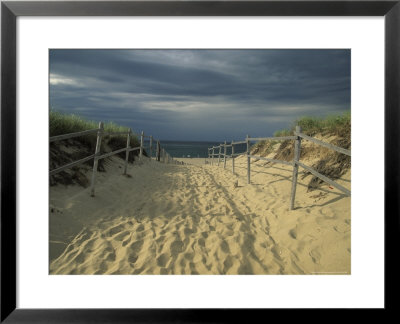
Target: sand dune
{"points": [[192, 219]]}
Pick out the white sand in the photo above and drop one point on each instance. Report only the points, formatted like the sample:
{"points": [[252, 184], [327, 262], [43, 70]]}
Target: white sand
{"points": [[190, 219], [193, 161]]}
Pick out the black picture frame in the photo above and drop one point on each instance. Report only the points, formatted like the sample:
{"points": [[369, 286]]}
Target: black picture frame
{"points": [[10, 10]]}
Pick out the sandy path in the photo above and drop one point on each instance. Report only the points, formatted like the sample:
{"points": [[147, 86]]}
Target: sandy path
{"points": [[190, 219]]}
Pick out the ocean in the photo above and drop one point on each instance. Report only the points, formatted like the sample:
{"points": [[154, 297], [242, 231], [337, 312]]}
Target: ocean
{"points": [[180, 149]]}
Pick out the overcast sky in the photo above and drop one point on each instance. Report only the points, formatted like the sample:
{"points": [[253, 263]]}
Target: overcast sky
{"points": [[212, 95]]}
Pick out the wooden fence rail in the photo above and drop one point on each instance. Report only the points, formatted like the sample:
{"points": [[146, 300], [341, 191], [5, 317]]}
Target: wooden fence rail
{"points": [[72, 135], [97, 156], [115, 133], [280, 138], [328, 145], [298, 136], [72, 164]]}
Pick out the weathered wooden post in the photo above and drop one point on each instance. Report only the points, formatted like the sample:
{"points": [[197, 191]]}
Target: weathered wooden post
{"points": [[96, 154], [233, 158], [224, 154], [141, 146], [151, 147], [212, 157], [158, 151], [296, 158], [219, 153], [128, 146], [248, 158]]}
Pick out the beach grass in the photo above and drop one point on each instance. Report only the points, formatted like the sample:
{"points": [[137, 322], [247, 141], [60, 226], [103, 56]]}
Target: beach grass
{"points": [[61, 123], [334, 124]]}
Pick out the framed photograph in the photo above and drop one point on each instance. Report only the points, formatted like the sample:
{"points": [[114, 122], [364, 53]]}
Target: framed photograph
{"points": [[231, 239]]}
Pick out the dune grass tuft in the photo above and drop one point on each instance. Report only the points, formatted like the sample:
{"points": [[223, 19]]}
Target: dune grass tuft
{"points": [[335, 124]]}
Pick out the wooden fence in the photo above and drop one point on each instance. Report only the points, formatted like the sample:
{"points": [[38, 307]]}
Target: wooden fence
{"points": [[161, 155], [297, 137]]}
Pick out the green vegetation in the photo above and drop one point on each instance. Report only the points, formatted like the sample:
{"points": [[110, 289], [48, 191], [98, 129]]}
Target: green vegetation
{"points": [[283, 132], [61, 123], [334, 124]]}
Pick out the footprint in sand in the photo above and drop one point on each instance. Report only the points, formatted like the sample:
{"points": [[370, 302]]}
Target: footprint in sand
{"points": [[315, 256], [293, 233], [342, 228], [189, 256], [188, 231], [134, 250], [245, 268], [193, 270], [140, 228], [277, 251], [225, 247], [176, 247], [228, 263], [162, 260], [202, 242]]}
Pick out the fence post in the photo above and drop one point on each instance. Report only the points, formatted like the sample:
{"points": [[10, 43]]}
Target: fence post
{"points": [[296, 158], [219, 153], [141, 146], [233, 158], [128, 142], [151, 147], [248, 158], [224, 154], [158, 151], [96, 153], [212, 157]]}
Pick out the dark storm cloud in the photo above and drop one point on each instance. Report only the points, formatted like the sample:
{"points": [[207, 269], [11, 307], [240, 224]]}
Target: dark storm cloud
{"points": [[200, 94]]}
